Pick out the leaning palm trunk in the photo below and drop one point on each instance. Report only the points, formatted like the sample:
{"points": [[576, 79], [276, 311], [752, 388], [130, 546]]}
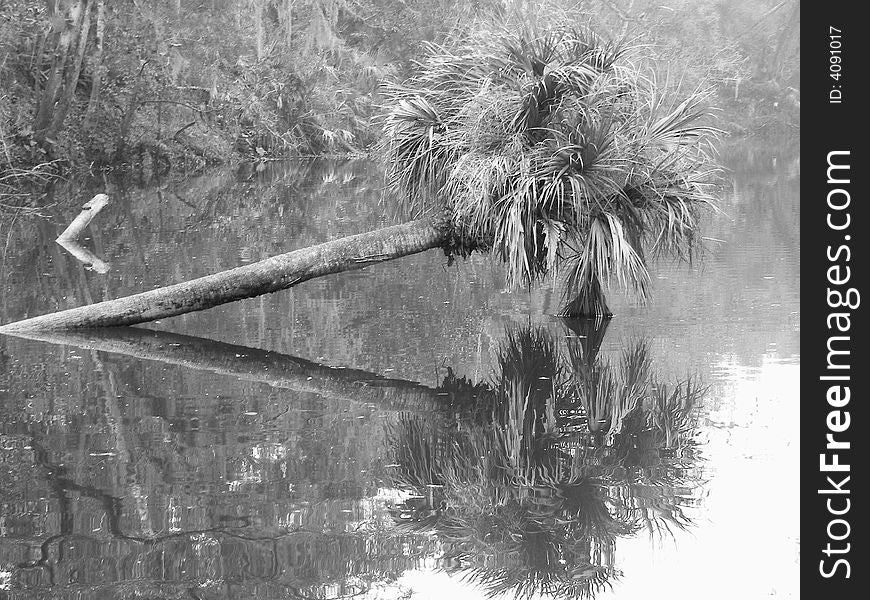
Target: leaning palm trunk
{"points": [[590, 301], [263, 277]]}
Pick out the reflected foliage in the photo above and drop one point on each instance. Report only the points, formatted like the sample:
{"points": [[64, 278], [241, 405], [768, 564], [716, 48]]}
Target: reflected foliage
{"points": [[530, 483], [295, 482]]}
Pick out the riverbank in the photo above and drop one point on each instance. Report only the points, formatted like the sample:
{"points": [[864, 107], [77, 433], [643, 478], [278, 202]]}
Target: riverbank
{"points": [[88, 86]]}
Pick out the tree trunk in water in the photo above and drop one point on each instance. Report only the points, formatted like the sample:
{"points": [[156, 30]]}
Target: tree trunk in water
{"points": [[263, 277], [588, 303], [125, 462]]}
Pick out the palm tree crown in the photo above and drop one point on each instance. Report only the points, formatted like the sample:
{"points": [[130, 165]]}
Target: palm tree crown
{"points": [[555, 150]]}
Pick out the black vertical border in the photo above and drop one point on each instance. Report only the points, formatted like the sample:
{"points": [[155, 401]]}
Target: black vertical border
{"points": [[827, 127]]}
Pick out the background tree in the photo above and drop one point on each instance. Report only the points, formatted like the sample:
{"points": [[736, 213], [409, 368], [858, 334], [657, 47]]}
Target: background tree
{"points": [[303, 77]]}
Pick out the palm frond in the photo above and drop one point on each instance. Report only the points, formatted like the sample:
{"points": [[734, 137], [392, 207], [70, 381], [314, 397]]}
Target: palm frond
{"points": [[607, 254], [551, 147]]}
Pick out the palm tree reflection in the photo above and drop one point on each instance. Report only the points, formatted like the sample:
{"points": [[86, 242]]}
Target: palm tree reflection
{"points": [[521, 484], [533, 477]]}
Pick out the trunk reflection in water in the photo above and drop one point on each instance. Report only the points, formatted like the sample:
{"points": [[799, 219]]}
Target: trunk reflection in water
{"points": [[521, 483]]}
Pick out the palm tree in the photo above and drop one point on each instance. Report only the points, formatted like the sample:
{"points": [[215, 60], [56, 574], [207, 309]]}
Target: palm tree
{"points": [[555, 150], [551, 147]]}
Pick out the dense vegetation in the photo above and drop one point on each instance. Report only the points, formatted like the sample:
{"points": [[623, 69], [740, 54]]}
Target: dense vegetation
{"points": [[182, 83]]}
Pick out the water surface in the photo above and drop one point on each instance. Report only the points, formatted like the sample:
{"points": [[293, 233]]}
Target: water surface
{"points": [[408, 428]]}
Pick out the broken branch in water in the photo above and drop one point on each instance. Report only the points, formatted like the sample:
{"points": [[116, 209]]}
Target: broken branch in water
{"points": [[67, 239], [90, 209], [85, 256]]}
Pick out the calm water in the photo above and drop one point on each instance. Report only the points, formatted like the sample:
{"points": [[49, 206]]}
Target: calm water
{"points": [[410, 430]]}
